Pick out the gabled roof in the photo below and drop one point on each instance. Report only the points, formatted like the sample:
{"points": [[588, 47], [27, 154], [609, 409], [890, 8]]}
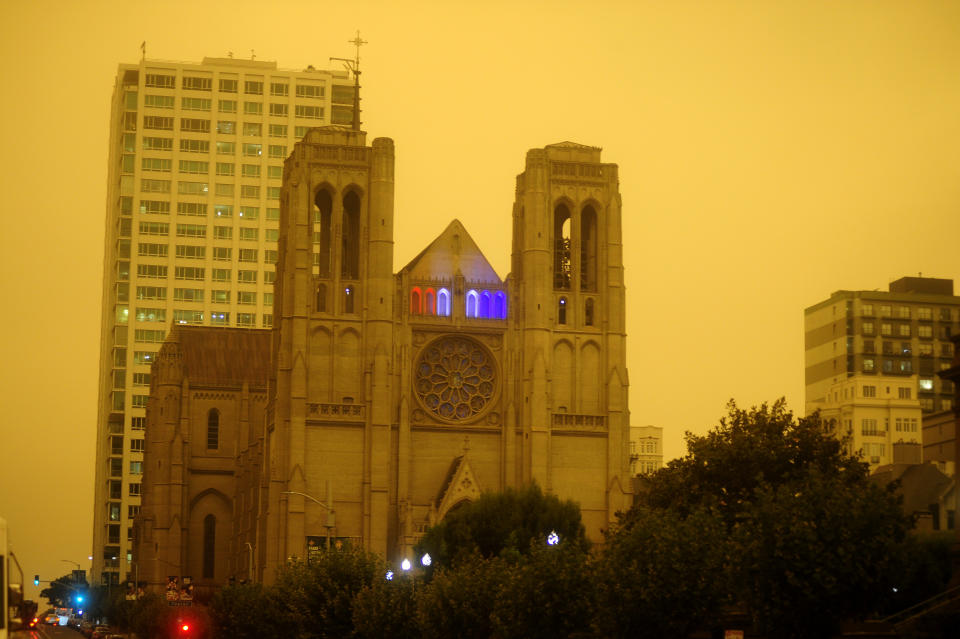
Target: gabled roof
{"points": [[451, 252], [223, 356], [921, 485]]}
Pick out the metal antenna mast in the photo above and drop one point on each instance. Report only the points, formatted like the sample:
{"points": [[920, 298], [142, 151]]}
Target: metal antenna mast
{"points": [[354, 67]]}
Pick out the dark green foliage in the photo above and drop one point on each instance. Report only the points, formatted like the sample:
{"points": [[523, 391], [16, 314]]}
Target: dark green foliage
{"points": [[925, 569], [148, 617], [662, 574], [749, 449], [459, 602], [499, 522], [387, 609], [548, 594], [316, 600], [810, 541], [61, 591], [245, 612], [815, 551]]}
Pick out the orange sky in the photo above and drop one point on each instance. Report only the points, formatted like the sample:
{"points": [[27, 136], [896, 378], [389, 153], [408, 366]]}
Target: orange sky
{"points": [[770, 153]]}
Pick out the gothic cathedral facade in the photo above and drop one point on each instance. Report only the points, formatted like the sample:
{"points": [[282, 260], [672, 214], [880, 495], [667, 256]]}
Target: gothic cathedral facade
{"points": [[395, 397]]}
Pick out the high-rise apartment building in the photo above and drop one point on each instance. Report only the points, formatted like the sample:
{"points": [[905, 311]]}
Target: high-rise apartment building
{"points": [[901, 332], [194, 175]]}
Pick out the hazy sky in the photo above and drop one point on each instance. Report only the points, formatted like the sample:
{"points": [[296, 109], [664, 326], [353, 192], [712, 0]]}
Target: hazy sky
{"points": [[770, 153]]}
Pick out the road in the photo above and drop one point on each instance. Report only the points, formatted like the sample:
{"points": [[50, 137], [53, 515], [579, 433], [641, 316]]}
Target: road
{"points": [[47, 632]]}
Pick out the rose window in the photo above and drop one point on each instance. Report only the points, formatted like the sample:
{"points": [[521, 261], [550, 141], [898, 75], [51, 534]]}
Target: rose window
{"points": [[454, 378]]}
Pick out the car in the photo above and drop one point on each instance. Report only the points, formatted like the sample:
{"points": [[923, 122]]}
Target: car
{"points": [[100, 632], [85, 628], [52, 619]]}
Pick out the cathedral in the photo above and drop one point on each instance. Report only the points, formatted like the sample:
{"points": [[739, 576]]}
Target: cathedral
{"points": [[380, 401]]}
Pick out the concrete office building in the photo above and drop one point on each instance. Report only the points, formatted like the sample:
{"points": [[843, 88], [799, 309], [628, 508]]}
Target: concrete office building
{"points": [[194, 177], [902, 332]]}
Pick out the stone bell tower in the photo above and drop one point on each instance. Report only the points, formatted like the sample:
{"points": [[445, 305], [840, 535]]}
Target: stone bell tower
{"points": [[567, 267], [328, 421]]}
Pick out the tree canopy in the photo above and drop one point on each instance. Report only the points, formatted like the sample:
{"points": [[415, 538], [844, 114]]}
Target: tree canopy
{"points": [[505, 521], [62, 591], [805, 540]]}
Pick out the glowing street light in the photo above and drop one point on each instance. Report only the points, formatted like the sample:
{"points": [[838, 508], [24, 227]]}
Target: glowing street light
{"points": [[405, 564], [389, 575], [553, 538], [426, 560]]}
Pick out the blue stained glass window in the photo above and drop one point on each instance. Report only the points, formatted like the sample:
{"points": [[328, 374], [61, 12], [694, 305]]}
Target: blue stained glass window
{"points": [[443, 302], [473, 303]]}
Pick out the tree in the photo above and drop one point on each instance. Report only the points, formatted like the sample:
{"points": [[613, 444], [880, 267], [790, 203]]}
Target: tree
{"points": [[808, 540], [62, 591], [247, 611], [504, 521], [387, 608], [149, 617], [316, 599], [459, 601], [662, 574], [549, 593]]}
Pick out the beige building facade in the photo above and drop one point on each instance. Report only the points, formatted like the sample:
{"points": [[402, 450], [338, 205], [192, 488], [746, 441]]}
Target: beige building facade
{"points": [[203, 451], [394, 397], [196, 154], [901, 332], [880, 415], [646, 449]]}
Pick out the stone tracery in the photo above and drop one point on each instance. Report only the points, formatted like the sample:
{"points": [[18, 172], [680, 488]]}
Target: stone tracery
{"points": [[455, 378]]}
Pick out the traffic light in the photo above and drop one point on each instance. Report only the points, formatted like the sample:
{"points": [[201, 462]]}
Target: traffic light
{"points": [[36, 580]]}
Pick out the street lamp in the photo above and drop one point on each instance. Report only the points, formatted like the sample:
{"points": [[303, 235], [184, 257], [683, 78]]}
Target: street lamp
{"points": [[331, 514], [249, 562]]}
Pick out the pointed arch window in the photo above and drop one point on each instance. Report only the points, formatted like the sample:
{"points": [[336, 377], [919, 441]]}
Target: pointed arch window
{"points": [[430, 302], [349, 294], [561, 247], [473, 303], [562, 311], [588, 249], [500, 305], [443, 302], [416, 301], [321, 301], [213, 429], [350, 257], [588, 312], [209, 546], [484, 304], [322, 232]]}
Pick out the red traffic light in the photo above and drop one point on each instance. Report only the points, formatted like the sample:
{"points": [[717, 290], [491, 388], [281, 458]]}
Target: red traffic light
{"points": [[185, 627]]}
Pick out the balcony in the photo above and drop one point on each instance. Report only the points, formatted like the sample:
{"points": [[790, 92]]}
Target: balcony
{"points": [[569, 421], [337, 412]]}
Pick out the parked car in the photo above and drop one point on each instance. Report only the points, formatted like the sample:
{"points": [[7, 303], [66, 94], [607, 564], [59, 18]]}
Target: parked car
{"points": [[100, 632]]}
